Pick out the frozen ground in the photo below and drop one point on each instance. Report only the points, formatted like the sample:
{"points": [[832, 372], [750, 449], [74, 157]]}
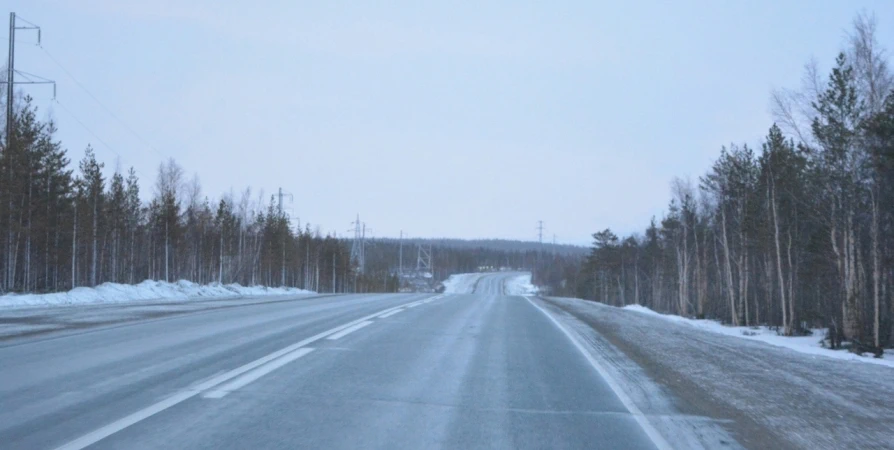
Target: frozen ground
{"points": [[810, 345], [145, 291], [765, 396]]}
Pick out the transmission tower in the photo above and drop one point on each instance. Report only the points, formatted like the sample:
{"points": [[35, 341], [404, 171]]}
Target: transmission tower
{"points": [[357, 246], [400, 257], [11, 72], [423, 259]]}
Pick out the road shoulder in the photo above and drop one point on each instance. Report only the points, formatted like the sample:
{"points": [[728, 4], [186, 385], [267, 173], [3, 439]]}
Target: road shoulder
{"points": [[680, 422], [765, 396]]}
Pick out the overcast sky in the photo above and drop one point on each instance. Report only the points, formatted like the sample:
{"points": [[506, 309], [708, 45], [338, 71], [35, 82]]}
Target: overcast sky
{"points": [[469, 121]]}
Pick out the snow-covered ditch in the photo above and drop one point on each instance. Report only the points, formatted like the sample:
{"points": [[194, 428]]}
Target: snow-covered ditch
{"points": [[810, 345], [146, 291]]}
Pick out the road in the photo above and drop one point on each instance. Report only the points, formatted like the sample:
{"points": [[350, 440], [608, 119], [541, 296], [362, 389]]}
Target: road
{"points": [[480, 370]]}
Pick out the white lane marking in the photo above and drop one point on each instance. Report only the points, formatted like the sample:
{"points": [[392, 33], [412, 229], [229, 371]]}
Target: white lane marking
{"points": [[348, 330], [638, 415], [255, 374], [389, 314], [120, 424]]}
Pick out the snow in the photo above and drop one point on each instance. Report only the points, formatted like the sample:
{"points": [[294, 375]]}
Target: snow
{"points": [[461, 283], [803, 344], [147, 290], [654, 400], [521, 285], [464, 283], [766, 396]]}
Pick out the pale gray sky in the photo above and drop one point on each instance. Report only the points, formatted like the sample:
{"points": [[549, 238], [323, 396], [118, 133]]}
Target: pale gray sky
{"points": [[468, 119]]}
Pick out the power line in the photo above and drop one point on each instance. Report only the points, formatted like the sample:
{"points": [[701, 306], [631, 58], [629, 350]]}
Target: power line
{"points": [[32, 77], [101, 104], [18, 17], [85, 127]]}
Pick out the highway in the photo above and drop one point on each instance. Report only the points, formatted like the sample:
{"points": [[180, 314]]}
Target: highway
{"points": [[419, 371]]}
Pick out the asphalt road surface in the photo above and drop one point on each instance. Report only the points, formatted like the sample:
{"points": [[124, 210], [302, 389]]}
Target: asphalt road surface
{"points": [[481, 370]]}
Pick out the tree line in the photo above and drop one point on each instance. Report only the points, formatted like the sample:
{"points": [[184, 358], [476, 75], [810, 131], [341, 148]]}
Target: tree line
{"points": [[62, 228], [797, 233], [551, 267]]}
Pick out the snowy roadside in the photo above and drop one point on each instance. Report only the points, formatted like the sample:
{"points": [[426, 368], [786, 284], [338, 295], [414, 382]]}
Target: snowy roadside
{"points": [[108, 303], [465, 283], [680, 428], [765, 396], [521, 285], [113, 293], [461, 283], [810, 345]]}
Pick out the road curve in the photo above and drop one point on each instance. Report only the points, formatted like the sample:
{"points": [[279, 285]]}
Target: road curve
{"points": [[480, 370]]}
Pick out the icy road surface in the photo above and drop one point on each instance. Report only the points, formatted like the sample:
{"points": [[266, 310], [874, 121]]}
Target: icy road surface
{"points": [[479, 370]]}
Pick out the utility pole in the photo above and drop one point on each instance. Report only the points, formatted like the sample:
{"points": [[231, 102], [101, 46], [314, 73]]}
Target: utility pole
{"points": [[10, 77], [333, 272], [400, 258], [282, 194], [11, 72], [363, 249], [539, 253]]}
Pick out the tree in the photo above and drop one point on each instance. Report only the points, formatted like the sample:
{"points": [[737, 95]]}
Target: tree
{"points": [[93, 184]]}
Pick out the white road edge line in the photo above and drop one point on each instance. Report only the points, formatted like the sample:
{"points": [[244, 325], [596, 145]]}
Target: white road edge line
{"points": [[247, 378], [349, 330], [638, 415], [120, 424], [389, 314]]}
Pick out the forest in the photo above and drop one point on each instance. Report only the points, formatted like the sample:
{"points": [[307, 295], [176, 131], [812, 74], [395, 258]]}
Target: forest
{"points": [[64, 226], [795, 233]]}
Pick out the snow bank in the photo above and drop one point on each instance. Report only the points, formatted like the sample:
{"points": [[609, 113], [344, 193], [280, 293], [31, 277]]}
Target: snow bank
{"points": [[461, 283], [521, 285], [803, 344], [147, 290]]}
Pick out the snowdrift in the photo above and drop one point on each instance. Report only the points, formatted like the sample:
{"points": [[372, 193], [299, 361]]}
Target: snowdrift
{"points": [[521, 285], [803, 344], [146, 291]]}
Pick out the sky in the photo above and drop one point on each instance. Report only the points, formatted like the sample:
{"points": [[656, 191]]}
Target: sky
{"points": [[456, 119]]}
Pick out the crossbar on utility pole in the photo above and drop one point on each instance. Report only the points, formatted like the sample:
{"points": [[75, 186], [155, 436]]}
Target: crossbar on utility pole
{"points": [[11, 72]]}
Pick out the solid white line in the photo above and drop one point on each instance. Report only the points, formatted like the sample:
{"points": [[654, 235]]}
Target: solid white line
{"points": [[348, 330], [638, 415], [255, 374], [120, 424], [389, 314]]}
